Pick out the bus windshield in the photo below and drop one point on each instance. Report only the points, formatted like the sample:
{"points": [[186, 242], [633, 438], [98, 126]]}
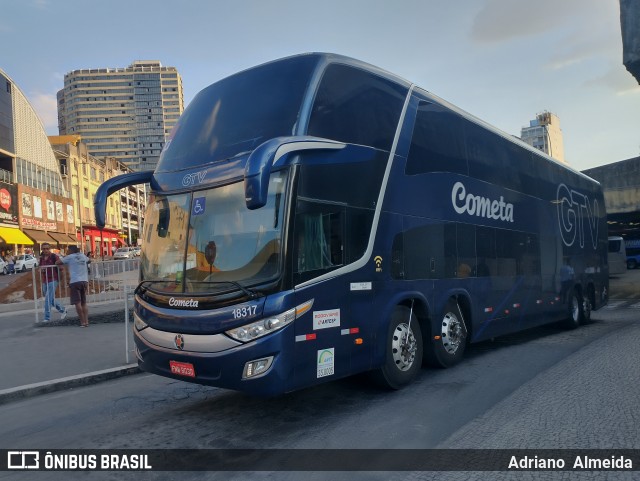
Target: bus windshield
{"points": [[237, 114], [208, 241]]}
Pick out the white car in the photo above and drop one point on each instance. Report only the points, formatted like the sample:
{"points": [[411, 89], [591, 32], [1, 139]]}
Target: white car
{"points": [[4, 267], [25, 262], [124, 253]]}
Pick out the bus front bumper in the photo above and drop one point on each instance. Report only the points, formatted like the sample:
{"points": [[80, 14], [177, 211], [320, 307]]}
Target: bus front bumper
{"points": [[217, 360]]}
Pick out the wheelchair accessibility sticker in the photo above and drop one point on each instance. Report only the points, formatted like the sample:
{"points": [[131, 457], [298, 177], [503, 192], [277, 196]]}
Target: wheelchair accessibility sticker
{"points": [[198, 206]]}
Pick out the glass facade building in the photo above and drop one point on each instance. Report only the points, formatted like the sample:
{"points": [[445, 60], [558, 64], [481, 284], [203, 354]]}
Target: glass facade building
{"points": [[126, 113]]}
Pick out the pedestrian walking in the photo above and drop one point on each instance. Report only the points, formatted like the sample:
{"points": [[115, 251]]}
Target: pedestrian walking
{"points": [[11, 261], [50, 276], [78, 263]]}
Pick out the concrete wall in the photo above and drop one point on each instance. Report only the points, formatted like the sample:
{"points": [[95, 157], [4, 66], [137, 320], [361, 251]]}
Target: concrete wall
{"points": [[621, 184]]}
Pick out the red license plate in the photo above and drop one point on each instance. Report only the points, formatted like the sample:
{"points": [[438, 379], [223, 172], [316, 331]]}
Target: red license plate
{"points": [[182, 368]]}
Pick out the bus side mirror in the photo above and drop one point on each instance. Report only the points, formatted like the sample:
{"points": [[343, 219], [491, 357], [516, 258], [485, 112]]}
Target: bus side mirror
{"points": [[112, 185], [257, 171], [266, 155]]}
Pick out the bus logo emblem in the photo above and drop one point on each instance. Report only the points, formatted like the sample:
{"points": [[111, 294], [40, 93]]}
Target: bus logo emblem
{"points": [[193, 179], [179, 341], [575, 215]]}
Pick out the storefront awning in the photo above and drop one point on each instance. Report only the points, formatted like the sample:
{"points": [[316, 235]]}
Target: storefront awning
{"points": [[73, 239], [60, 238], [39, 236], [14, 236]]}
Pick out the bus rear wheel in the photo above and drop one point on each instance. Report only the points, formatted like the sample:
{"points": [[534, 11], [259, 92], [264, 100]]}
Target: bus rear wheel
{"points": [[576, 310], [404, 350], [450, 341]]}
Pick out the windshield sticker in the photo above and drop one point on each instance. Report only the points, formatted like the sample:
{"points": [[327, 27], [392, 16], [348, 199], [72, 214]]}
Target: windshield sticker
{"points": [[326, 319], [198, 206], [325, 362]]}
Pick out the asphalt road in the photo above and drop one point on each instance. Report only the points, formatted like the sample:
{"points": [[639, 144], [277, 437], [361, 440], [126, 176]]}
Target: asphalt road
{"points": [[545, 388]]}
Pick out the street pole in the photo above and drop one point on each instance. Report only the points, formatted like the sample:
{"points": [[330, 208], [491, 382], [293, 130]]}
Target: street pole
{"points": [[82, 243]]}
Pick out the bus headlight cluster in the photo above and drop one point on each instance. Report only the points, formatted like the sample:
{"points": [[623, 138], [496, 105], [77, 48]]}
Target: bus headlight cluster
{"points": [[139, 323], [255, 330]]}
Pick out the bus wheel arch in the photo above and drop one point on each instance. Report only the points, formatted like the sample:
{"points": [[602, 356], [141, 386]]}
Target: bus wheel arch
{"points": [[404, 349], [446, 347]]}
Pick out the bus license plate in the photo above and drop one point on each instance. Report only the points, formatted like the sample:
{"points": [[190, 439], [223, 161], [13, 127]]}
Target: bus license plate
{"points": [[182, 368]]}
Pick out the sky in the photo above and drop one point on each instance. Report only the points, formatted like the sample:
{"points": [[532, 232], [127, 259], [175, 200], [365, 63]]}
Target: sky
{"points": [[503, 61]]}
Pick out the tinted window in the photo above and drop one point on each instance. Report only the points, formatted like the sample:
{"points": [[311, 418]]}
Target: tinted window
{"points": [[438, 142], [357, 107], [239, 113], [615, 245], [356, 184], [486, 252], [333, 215], [494, 159], [319, 238]]}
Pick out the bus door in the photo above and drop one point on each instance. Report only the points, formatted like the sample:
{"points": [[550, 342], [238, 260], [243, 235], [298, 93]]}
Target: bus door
{"points": [[321, 348]]}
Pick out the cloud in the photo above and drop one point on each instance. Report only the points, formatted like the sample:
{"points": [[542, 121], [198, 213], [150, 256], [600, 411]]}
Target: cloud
{"points": [[503, 20], [46, 106], [617, 79]]}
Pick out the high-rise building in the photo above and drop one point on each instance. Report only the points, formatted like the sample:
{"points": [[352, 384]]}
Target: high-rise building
{"points": [[544, 133], [126, 113]]}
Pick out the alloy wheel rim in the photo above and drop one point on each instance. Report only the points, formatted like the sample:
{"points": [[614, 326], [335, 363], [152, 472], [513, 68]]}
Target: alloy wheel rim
{"points": [[403, 347], [453, 333]]}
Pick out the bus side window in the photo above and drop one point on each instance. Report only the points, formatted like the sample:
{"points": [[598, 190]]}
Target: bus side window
{"points": [[486, 252], [319, 240], [438, 143]]}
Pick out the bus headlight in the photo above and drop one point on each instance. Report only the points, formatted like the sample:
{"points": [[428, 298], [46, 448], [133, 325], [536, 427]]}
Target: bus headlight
{"points": [[255, 330]]}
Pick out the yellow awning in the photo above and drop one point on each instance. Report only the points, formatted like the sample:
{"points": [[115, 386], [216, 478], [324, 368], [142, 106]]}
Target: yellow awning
{"points": [[14, 236]]}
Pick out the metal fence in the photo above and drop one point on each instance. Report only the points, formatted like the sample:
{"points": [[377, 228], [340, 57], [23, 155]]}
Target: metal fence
{"points": [[109, 281]]}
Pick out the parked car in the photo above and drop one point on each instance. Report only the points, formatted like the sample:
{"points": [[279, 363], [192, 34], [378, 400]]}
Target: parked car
{"points": [[25, 261], [136, 251], [124, 253], [4, 267]]}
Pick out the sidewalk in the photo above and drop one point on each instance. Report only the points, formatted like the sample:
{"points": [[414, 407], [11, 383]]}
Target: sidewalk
{"points": [[41, 358]]}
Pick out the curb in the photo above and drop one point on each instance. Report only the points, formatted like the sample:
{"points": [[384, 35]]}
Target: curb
{"points": [[46, 387]]}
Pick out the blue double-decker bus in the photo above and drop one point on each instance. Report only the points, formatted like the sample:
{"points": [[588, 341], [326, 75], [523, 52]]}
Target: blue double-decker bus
{"points": [[316, 217]]}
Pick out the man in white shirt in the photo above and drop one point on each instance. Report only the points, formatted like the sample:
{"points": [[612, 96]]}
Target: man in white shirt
{"points": [[77, 264]]}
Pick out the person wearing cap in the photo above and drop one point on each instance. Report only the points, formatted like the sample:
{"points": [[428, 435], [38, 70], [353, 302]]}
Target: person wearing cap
{"points": [[77, 264]]}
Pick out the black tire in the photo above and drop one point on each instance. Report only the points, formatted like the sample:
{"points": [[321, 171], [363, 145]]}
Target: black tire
{"points": [[24, 268], [404, 355], [448, 349], [575, 314], [587, 306], [632, 264]]}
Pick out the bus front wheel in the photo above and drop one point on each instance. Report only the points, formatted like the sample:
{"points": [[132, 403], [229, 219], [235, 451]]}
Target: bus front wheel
{"points": [[404, 350], [449, 342]]}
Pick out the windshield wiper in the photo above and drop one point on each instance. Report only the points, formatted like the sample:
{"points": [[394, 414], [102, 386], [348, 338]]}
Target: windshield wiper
{"points": [[150, 281], [248, 292]]}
